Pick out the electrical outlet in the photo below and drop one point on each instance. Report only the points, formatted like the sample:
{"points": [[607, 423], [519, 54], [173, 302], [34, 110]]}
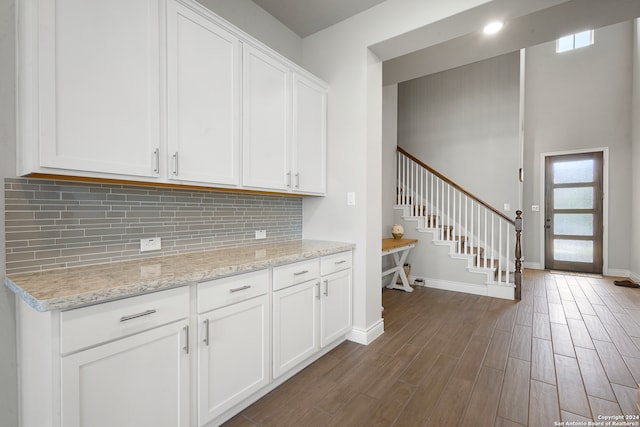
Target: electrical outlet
{"points": [[150, 244], [261, 234], [507, 207]]}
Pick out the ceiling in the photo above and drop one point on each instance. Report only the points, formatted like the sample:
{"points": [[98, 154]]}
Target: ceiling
{"points": [[457, 40], [305, 17]]}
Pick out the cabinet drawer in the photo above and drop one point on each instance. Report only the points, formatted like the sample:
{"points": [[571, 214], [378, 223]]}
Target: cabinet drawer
{"points": [[87, 326], [336, 262], [229, 290], [290, 274]]}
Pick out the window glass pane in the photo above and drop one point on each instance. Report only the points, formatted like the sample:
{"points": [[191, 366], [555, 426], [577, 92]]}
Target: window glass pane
{"points": [[564, 43], [573, 198], [583, 39], [573, 224], [573, 250], [576, 171]]}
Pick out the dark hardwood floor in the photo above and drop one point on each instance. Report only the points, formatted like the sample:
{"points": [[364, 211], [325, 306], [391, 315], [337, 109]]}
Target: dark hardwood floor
{"points": [[568, 351]]}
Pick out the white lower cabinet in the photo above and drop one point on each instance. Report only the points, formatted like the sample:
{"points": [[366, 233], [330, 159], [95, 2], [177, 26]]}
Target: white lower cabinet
{"points": [[295, 325], [123, 363], [310, 315], [335, 306], [233, 349], [141, 361], [142, 380]]}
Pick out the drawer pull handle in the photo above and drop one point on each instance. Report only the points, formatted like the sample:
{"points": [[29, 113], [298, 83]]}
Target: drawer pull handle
{"points": [[135, 316], [156, 154], [186, 339], [340, 262], [175, 163], [301, 272], [241, 288], [206, 332]]}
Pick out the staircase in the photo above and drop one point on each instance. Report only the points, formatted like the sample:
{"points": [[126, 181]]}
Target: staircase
{"points": [[465, 244]]}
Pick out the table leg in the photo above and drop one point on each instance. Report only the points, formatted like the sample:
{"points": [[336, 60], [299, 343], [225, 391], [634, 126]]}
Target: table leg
{"points": [[399, 258]]}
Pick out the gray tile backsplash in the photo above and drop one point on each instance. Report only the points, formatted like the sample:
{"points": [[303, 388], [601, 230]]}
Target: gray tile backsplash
{"points": [[55, 224]]}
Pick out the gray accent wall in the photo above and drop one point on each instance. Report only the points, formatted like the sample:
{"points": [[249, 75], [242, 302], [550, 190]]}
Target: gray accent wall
{"points": [[580, 100], [464, 123], [57, 224]]}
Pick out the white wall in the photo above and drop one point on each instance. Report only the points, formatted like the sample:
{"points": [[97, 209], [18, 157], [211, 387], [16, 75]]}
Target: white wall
{"points": [[635, 157], [255, 21], [340, 56], [8, 375], [463, 122], [577, 100]]}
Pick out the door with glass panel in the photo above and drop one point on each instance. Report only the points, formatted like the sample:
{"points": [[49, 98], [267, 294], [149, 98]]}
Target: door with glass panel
{"points": [[573, 214]]}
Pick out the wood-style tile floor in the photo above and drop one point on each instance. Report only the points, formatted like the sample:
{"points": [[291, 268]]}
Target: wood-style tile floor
{"points": [[568, 351]]}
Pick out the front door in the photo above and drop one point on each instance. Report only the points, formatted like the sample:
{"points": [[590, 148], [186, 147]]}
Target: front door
{"points": [[573, 212]]}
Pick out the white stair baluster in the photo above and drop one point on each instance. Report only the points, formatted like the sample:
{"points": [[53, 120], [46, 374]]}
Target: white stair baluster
{"points": [[500, 251], [492, 240]]}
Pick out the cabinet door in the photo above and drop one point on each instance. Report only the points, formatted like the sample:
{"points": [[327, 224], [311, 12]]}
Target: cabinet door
{"points": [[141, 380], [203, 63], [295, 325], [335, 308], [98, 85], [233, 358], [265, 121], [309, 136]]}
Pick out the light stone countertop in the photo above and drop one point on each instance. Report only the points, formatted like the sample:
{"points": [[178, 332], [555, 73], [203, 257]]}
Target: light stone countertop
{"points": [[79, 286]]}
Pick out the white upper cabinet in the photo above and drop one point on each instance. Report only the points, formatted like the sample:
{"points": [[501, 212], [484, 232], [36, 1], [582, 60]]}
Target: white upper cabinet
{"points": [[163, 91], [265, 121], [94, 104], [309, 164], [284, 126], [203, 62]]}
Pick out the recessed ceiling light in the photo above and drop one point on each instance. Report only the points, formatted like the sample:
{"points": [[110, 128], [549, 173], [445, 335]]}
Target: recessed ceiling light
{"points": [[493, 27]]}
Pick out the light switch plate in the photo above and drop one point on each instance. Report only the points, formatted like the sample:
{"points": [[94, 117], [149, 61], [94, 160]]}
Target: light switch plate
{"points": [[535, 208], [351, 198]]}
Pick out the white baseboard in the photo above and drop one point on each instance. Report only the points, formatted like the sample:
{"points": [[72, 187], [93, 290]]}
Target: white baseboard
{"points": [[366, 336], [501, 291], [616, 272], [489, 290], [533, 265]]}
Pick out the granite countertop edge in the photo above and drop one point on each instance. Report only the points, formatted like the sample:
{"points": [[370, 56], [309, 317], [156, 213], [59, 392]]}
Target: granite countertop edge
{"points": [[21, 284]]}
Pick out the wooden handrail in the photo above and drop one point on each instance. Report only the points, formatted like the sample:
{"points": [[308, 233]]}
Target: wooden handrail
{"points": [[456, 186]]}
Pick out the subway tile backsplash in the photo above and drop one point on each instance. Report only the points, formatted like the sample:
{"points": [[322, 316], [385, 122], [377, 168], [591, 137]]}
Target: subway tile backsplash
{"points": [[55, 224]]}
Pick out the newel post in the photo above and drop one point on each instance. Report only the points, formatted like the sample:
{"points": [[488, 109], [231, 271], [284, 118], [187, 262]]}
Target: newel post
{"points": [[518, 272]]}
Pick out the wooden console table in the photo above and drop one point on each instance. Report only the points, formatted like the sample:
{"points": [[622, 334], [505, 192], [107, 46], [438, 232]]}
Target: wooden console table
{"points": [[399, 248]]}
